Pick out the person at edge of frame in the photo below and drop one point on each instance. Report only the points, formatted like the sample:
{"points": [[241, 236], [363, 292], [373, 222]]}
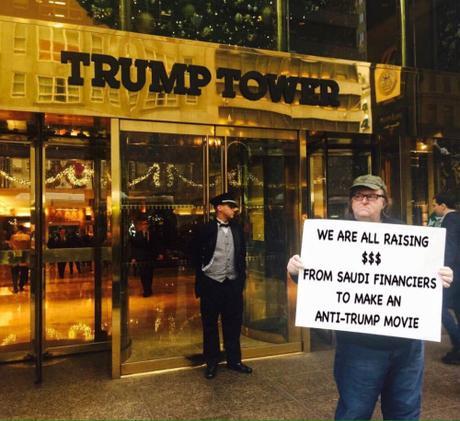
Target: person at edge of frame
{"points": [[368, 366], [444, 207], [220, 262]]}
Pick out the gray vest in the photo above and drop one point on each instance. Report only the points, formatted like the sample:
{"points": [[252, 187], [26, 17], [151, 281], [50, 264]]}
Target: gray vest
{"points": [[222, 264]]}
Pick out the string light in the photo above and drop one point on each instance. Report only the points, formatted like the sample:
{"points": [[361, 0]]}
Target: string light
{"points": [[80, 329], [9, 340], [155, 170], [14, 179], [68, 172]]}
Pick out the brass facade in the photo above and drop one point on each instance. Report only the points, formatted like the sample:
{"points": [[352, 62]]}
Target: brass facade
{"points": [[36, 80]]}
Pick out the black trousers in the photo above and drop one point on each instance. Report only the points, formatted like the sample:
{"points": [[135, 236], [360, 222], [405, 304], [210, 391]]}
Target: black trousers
{"points": [[225, 300], [20, 273], [146, 275]]}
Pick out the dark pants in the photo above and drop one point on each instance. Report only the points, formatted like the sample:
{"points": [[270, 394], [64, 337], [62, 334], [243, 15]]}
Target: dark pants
{"points": [[224, 299], [363, 374], [20, 273], [452, 327], [146, 275], [77, 264], [61, 269]]}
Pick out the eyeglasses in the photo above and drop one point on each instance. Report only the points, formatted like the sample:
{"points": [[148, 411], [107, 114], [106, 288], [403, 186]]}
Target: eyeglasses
{"points": [[371, 197]]}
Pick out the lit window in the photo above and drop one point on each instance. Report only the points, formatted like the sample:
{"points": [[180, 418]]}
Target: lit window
{"points": [[20, 38], [18, 88], [133, 97], [97, 94], [114, 97], [57, 90], [96, 44], [51, 41]]}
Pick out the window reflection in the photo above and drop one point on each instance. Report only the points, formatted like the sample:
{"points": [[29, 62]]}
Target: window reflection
{"points": [[262, 174]]}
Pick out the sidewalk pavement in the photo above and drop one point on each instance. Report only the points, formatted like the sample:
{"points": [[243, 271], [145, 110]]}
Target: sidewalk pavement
{"points": [[295, 387]]}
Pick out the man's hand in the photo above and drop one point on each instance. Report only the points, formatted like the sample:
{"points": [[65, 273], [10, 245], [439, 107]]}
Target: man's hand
{"points": [[294, 265], [447, 276]]}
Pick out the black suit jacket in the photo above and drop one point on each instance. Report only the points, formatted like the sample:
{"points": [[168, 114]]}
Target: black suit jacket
{"points": [[451, 222], [204, 245], [142, 249]]}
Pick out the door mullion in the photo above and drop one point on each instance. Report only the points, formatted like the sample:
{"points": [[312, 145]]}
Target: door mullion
{"points": [[37, 283]]}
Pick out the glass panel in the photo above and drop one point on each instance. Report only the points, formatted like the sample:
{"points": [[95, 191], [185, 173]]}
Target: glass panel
{"points": [[227, 22], [77, 208], [263, 174], [16, 239], [317, 179], [421, 174], [332, 28], [162, 203]]}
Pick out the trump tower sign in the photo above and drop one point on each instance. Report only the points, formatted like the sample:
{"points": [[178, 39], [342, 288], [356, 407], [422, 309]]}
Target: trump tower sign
{"points": [[371, 278]]}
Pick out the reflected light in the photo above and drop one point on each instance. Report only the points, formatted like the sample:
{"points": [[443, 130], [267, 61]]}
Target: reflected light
{"points": [[19, 125], [6, 317], [9, 340]]}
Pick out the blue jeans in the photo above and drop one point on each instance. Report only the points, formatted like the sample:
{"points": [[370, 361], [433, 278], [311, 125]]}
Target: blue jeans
{"points": [[363, 374], [450, 323]]}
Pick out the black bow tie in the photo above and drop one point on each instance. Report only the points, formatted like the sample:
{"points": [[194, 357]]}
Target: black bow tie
{"points": [[221, 224]]}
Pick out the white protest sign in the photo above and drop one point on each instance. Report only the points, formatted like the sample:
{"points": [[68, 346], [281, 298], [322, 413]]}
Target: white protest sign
{"points": [[371, 278]]}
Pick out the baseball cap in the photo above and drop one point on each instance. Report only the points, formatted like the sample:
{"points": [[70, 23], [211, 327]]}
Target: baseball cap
{"points": [[370, 181]]}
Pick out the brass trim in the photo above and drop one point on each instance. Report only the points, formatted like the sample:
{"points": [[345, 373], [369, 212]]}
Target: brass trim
{"points": [[61, 350], [143, 126], [78, 254], [206, 190], [15, 257], [182, 362], [37, 206], [115, 163], [271, 350], [305, 334], [255, 132], [155, 365], [15, 356]]}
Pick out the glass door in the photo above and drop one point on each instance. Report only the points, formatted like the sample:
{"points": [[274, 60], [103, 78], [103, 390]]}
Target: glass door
{"points": [[168, 174], [263, 173], [163, 201], [77, 237], [333, 163], [16, 242]]}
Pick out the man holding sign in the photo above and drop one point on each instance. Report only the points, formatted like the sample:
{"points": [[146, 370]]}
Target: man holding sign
{"points": [[375, 285]]}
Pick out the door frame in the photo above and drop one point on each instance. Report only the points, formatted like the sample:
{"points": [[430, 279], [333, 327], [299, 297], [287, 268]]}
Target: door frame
{"points": [[121, 350]]}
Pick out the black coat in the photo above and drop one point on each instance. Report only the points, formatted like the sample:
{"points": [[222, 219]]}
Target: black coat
{"points": [[204, 244], [143, 249], [451, 222]]}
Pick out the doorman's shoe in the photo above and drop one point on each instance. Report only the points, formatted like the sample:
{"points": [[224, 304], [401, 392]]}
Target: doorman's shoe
{"points": [[211, 371], [240, 367]]}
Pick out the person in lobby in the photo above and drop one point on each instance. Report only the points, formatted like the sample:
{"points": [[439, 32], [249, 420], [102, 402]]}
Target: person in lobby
{"points": [[444, 207], [57, 241], [20, 240], [74, 241], [144, 250], [220, 263], [368, 366]]}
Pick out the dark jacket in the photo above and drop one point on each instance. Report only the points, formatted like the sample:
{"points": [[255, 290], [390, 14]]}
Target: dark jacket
{"points": [[451, 222], [143, 249], [204, 244]]}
